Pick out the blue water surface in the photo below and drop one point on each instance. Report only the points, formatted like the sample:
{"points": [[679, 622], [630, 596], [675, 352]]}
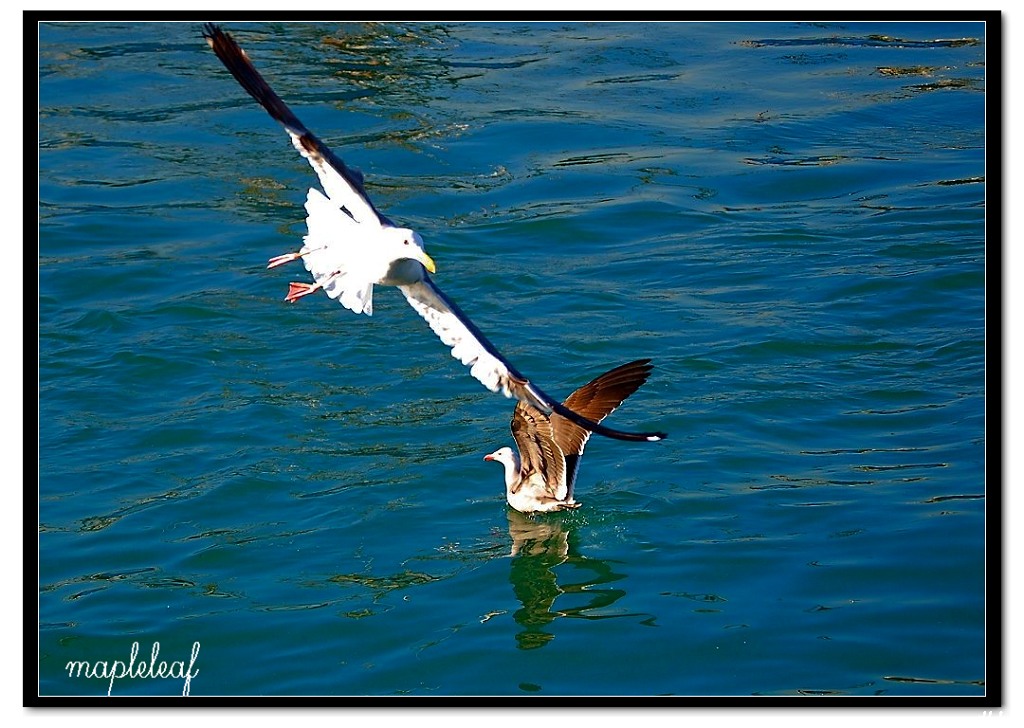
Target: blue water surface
{"points": [[788, 218]]}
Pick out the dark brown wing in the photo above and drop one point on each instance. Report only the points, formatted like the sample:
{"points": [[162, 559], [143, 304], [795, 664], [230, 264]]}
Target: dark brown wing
{"points": [[538, 452], [595, 401]]}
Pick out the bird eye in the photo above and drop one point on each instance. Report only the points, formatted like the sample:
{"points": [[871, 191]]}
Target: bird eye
{"points": [[406, 242]]}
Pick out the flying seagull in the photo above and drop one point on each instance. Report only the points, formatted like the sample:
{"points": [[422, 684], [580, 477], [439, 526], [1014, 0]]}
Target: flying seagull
{"points": [[351, 246], [542, 475]]}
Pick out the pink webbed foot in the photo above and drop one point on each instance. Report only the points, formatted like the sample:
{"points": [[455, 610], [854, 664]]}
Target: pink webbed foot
{"points": [[298, 290]]}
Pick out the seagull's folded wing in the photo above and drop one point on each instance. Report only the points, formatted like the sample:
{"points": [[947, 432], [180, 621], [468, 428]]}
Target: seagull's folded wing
{"points": [[472, 348], [538, 451]]}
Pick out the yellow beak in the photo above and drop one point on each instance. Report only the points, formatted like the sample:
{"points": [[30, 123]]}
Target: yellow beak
{"points": [[428, 263]]}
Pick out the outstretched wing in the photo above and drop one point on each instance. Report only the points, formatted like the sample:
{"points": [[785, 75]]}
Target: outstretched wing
{"points": [[595, 400], [344, 188], [343, 185], [488, 366]]}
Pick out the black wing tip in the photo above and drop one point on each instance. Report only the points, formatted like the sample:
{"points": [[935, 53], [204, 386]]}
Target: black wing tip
{"points": [[238, 63], [599, 429], [227, 50], [213, 33], [635, 437], [630, 436]]}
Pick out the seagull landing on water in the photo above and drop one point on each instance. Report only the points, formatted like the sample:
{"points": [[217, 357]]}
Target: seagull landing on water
{"points": [[351, 246], [541, 477]]}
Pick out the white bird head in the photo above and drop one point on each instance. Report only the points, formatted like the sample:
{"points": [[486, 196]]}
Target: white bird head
{"points": [[406, 244], [503, 455], [510, 460]]}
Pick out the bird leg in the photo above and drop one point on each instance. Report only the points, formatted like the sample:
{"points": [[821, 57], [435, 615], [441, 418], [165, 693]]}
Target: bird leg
{"points": [[282, 259], [289, 257]]}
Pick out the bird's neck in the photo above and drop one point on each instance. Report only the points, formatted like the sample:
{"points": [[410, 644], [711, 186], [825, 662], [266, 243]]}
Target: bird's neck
{"points": [[403, 272], [512, 468]]}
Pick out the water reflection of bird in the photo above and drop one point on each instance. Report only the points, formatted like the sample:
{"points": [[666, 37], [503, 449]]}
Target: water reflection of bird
{"points": [[542, 475], [539, 547], [548, 537]]}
